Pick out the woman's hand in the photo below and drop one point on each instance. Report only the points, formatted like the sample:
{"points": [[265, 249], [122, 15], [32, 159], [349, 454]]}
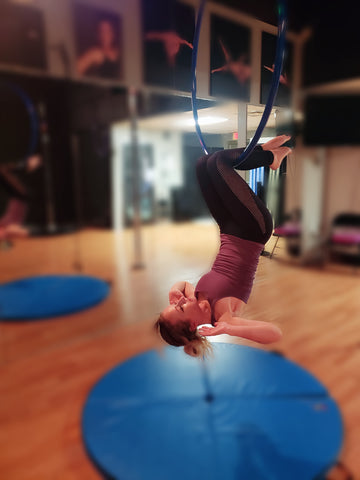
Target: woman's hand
{"points": [[175, 295], [219, 329], [181, 290]]}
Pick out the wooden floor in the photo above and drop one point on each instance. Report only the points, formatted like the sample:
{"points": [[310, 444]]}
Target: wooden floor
{"points": [[48, 367]]}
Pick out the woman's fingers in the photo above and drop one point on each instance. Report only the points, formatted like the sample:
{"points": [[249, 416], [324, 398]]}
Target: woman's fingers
{"points": [[206, 331], [175, 296], [218, 329]]}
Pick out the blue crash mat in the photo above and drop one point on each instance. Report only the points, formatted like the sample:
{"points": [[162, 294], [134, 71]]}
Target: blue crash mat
{"points": [[48, 296], [244, 414]]}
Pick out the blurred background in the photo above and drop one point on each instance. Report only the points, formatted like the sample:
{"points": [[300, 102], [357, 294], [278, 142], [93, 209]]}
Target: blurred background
{"points": [[97, 178]]}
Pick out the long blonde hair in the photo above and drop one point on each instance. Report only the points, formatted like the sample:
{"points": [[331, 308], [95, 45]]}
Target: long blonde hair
{"points": [[181, 335]]}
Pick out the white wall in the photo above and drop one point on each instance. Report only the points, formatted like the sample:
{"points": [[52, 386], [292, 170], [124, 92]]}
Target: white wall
{"points": [[342, 192], [313, 185], [294, 179], [322, 182]]}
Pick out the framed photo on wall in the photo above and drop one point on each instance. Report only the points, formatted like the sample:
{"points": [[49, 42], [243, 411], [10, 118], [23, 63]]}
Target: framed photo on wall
{"points": [[168, 30], [98, 42], [230, 69], [22, 36], [268, 52]]}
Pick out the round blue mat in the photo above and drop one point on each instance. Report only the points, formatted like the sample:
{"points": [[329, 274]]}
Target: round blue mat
{"points": [[244, 414], [48, 296]]}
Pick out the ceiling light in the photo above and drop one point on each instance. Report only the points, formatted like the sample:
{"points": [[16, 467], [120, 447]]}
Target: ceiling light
{"points": [[263, 139], [202, 121]]}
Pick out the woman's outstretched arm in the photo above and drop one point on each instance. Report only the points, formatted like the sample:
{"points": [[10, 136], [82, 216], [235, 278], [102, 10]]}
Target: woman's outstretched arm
{"points": [[11, 183], [257, 331]]}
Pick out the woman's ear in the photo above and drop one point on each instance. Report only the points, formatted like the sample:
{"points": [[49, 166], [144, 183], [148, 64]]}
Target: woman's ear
{"points": [[204, 306], [193, 325]]}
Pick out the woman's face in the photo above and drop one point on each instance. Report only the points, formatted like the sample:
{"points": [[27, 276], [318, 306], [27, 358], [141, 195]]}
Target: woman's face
{"points": [[188, 309], [106, 33]]}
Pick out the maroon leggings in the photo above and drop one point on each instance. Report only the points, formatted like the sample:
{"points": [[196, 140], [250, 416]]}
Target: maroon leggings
{"points": [[232, 203]]}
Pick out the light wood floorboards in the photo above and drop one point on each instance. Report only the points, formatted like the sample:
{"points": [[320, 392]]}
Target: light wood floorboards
{"points": [[48, 367]]}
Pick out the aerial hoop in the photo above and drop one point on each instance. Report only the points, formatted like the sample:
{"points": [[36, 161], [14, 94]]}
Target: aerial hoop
{"points": [[31, 111], [279, 57]]}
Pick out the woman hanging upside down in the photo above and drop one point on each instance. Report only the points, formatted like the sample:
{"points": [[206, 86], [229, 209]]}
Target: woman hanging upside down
{"points": [[245, 226], [11, 221]]}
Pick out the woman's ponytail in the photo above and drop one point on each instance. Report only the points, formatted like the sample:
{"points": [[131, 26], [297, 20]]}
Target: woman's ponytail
{"points": [[181, 335], [198, 347]]}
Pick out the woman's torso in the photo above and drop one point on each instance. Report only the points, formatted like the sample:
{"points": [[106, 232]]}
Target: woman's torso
{"points": [[224, 305], [228, 285]]}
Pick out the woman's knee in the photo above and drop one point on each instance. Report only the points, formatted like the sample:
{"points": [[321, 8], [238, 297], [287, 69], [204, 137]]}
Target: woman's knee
{"points": [[201, 168], [268, 226]]}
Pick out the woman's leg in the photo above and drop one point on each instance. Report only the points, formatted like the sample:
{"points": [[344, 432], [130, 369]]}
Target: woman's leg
{"points": [[17, 206], [251, 220], [11, 184], [235, 207], [213, 200], [258, 158], [15, 213], [276, 152]]}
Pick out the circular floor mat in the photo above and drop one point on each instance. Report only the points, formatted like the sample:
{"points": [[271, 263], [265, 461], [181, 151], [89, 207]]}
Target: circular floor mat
{"points": [[243, 414], [48, 296]]}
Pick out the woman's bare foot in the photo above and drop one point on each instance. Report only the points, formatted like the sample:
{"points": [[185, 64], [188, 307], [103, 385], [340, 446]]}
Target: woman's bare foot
{"points": [[16, 231], [275, 142], [279, 155]]}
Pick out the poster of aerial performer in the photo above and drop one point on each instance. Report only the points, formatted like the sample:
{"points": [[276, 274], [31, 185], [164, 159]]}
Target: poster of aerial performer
{"points": [[268, 50], [168, 30], [230, 66]]}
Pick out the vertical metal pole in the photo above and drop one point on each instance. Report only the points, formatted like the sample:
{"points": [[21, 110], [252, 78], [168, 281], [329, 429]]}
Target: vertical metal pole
{"points": [[49, 193], [242, 124], [77, 190], [136, 180], [77, 182]]}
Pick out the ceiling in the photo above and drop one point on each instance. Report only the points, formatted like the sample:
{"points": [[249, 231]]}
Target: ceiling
{"points": [[183, 122], [300, 13]]}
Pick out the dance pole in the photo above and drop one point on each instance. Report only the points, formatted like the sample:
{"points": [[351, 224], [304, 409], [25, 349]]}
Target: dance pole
{"points": [[136, 180], [49, 192], [77, 192]]}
